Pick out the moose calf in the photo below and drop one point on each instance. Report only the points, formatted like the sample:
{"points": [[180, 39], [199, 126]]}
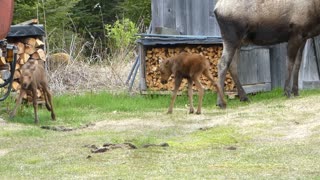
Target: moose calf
{"points": [[33, 76], [191, 67]]}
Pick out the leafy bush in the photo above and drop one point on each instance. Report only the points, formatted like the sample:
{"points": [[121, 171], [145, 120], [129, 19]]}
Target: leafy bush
{"points": [[121, 34]]}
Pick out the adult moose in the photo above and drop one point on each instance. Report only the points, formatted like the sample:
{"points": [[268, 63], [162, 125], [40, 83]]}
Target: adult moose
{"points": [[266, 22]]}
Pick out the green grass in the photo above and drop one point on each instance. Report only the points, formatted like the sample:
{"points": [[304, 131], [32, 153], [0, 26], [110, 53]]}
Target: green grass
{"points": [[245, 141], [77, 110]]}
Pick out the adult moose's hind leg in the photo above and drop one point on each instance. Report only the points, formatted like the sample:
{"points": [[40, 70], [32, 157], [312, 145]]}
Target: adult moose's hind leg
{"points": [[234, 74], [218, 88], [229, 50], [296, 69], [293, 47]]}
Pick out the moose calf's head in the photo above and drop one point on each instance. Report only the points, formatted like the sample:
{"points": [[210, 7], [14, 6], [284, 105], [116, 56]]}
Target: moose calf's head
{"points": [[27, 71], [26, 78], [165, 70]]}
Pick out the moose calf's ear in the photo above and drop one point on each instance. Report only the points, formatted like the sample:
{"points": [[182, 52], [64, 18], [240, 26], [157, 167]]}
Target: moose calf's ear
{"points": [[167, 62], [160, 60]]}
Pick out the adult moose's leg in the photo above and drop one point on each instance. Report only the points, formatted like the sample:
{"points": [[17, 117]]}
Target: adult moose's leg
{"points": [[177, 83], [296, 69], [218, 88], [293, 46], [227, 55], [190, 95], [234, 74]]}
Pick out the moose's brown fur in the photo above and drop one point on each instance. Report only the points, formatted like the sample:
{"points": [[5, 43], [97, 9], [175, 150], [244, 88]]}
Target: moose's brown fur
{"points": [[189, 66], [33, 76], [266, 22]]}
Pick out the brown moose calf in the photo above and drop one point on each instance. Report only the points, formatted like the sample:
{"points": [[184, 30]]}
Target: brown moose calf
{"points": [[33, 76], [191, 67]]}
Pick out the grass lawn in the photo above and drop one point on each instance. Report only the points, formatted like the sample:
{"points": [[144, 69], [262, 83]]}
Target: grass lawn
{"points": [[271, 137]]}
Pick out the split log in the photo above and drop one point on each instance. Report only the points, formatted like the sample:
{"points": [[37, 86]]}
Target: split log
{"points": [[20, 46], [17, 74], [23, 58], [41, 54], [16, 85], [30, 41], [29, 49], [29, 22], [39, 43], [2, 61]]}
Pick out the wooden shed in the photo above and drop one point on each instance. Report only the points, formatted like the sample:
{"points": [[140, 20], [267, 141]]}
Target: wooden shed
{"points": [[259, 69]]}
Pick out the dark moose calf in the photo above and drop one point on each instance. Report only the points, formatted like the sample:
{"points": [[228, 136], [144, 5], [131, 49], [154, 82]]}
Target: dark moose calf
{"points": [[33, 76], [191, 67]]}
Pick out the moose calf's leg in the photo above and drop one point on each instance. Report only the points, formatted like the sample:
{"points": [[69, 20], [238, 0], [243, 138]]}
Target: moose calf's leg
{"points": [[18, 103], [35, 105], [190, 95], [174, 94], [49, 104], [201, 92]]}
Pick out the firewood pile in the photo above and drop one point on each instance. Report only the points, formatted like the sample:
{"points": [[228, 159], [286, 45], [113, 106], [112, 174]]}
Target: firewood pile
{"points": [[155, 54], [28, 48]]}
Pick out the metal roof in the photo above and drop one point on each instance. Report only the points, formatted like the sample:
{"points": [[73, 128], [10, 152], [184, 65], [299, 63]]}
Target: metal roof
{"points": [[26, 30], [157, 39]]}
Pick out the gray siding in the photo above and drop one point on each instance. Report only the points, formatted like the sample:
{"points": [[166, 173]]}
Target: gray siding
{"points": [[188, 17]]}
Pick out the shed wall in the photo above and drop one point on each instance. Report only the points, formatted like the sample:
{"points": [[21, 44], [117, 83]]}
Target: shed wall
{"points": [[191, 17]]}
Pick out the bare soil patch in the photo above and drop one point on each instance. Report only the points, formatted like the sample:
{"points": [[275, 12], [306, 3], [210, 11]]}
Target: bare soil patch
{"points": [[3, 152]]}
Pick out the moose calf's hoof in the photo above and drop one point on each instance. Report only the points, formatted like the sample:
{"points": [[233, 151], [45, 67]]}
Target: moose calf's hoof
{"points": [[222, 106], [244, 99]]}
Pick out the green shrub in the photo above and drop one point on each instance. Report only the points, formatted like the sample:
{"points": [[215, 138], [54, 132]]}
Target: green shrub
{"points": [[121, 34]]}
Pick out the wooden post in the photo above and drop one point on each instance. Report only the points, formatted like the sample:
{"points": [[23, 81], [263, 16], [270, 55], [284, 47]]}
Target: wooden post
{"points": [[142, 52]]}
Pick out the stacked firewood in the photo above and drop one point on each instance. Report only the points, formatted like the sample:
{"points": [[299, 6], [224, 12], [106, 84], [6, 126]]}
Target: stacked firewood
{"points": [[28, 48], [154, 55]]}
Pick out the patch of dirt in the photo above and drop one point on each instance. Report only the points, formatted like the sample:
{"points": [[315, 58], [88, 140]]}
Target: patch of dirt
{"points": [[2, 122], [110, 146], [298, 131], [64, 129], [3, 152], [128, 124]]}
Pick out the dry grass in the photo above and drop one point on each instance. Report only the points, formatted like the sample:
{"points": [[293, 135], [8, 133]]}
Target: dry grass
{"points": [[84, 74]]}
